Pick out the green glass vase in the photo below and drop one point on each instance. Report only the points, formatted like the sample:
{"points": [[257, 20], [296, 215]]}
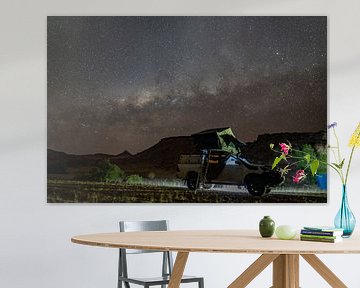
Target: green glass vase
{"points": [[266, 227]]}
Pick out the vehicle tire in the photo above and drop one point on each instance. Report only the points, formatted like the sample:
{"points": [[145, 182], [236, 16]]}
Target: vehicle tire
{"points": [[254, 184], [192, 180], [273, 178]]}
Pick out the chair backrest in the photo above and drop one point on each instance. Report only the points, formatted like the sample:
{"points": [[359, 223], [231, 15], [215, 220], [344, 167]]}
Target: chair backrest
{"points": [[134, 226]]}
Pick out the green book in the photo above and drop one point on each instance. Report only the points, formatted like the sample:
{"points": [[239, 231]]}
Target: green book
{"points": [[319, 236], [323, 228], [325, 240]]}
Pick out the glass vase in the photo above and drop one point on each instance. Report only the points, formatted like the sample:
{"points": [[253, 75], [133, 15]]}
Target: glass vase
{"points": [[345, 219]]}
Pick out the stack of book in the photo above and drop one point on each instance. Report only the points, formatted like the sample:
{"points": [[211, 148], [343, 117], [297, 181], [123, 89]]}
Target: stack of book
{"points": [[321, 234]]}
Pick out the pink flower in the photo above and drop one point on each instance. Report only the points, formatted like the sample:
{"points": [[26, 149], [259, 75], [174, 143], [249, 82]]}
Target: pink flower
{"points": [[299, 176], [284, 148]]}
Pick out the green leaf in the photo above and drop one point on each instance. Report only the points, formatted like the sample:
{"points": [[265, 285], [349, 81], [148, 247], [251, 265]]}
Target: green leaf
{"points": [[271, 146], [341, 164], [277, 161], [336, 165], [314, 166], [307, 158]]}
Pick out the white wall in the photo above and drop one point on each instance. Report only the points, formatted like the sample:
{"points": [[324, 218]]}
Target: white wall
{"points": [[35, 248]]}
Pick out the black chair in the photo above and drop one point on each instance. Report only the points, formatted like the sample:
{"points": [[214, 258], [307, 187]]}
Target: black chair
{"points": [[167, 265]]}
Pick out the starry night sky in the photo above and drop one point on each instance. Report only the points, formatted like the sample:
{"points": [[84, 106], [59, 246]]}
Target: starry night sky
{"points": [[123, 83]]}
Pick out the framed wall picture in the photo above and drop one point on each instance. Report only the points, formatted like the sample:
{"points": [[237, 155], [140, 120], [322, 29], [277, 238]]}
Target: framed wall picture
{"points": [[184, 109]]}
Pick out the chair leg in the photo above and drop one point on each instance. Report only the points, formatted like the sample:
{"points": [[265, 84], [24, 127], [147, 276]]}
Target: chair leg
{"points": [[201, 283], [164, 266], [126, 284]]}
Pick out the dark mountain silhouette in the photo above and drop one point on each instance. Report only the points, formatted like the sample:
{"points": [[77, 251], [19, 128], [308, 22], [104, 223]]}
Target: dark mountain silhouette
{"points": [[124, 154], [260, 152], [63, 165], [162, 158]]}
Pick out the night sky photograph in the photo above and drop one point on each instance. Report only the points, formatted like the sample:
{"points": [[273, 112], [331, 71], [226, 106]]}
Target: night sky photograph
{"points": [[124, 83], [127, 97]]}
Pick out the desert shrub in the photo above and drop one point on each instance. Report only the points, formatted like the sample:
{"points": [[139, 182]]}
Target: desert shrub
{"points": [[105, 171], [322, 157], [151, 175], [134, 179]]}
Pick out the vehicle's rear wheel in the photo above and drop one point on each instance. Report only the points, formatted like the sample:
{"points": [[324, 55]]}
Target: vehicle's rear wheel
{"points": [[273, 178], [192, 180], [254, 184]]}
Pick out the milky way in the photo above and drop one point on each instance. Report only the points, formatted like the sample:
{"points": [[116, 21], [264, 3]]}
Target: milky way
{"points": [[123, 83]]}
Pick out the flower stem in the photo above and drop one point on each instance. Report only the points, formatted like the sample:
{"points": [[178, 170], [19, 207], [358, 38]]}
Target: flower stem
{"points": [[339, 160], [351, 155], [338, 145], [348, 166], [335, 168], [334, 154]]}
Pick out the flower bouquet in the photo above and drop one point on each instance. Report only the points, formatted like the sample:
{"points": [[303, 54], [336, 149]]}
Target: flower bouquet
{"points": [[310, 164]]}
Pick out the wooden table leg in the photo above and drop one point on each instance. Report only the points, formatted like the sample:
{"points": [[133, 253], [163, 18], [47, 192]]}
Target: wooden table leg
{"points": [[324, 271], [178, 269], [286, 271], [293, 261], [253, 270]]}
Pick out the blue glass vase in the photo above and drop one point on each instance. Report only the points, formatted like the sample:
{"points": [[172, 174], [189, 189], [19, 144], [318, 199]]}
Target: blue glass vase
{"points": [[345, 219]]}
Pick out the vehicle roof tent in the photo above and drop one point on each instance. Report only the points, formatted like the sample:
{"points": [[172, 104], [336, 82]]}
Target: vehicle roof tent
{"points": [[218, 138]]}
